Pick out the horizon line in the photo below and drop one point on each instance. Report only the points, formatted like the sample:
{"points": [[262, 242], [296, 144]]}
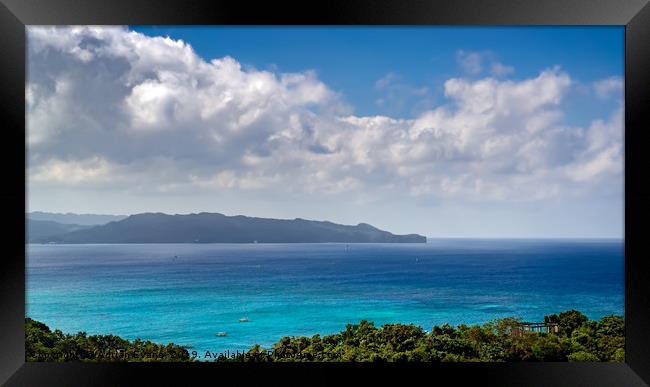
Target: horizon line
{"points": [[617, 237]]}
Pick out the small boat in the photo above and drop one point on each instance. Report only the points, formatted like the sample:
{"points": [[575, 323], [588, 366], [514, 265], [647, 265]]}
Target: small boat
{"points": [[221, 334], [244, 319]]}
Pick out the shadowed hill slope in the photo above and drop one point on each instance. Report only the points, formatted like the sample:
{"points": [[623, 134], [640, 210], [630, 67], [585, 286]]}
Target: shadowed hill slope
{"points": [[219, 228]]}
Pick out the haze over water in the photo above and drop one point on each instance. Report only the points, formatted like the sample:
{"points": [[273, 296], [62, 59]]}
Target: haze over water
{"points": [[186, 293]]}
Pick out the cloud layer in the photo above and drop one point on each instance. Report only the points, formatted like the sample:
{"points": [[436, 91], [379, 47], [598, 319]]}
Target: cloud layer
{"points": [[114, 109]]}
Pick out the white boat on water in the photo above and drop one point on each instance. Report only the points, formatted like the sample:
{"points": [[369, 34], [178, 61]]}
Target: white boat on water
{"points": [[221, 334], [244, 319]]}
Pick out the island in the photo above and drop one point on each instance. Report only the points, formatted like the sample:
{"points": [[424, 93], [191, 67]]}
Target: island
{"points": [[213, 228]]}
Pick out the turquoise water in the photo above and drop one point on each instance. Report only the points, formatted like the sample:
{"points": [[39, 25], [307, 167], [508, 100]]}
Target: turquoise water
{"points": [[185, 293]]}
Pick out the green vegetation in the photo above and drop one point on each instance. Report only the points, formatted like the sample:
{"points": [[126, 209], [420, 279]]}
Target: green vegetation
{"points": [[578, 339], [41, 344]]}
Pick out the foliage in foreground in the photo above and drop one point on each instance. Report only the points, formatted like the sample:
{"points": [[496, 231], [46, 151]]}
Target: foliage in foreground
{"points": [[41, 344], [578, 339]]}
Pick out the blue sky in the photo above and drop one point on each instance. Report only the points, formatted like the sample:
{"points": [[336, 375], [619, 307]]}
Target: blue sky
{"points": [[442, 131], [352, 59]]}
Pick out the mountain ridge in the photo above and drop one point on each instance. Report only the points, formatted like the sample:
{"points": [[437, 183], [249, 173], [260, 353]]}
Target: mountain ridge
{"points": [[45, 229], [204, 227], [74, 219]]}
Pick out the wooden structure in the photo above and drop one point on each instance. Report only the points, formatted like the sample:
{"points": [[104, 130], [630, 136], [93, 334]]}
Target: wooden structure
{"points": [[535, 327]]}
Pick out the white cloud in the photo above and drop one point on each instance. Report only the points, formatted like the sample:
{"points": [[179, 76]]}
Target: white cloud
{"points": [[89, 171], [386, 80], [470, 62], [609, 87], [608, 160], [112, 108], [399, 97], [499, 69], [474, 62], [603, 153]]}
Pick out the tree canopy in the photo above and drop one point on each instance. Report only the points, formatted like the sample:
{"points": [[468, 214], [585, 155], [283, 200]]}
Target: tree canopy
{"points": [[42, 344], [501, 340], [578, 339]]}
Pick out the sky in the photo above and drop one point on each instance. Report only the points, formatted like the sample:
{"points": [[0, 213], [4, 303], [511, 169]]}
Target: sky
{"points": [[442, 131]]}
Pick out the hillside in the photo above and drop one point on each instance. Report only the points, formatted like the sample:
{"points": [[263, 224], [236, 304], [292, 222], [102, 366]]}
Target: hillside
{"points": [[76, 219], [39, 230], [219, 228]]}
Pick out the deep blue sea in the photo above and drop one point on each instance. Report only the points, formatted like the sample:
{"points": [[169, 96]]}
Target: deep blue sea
{"points": [[186, 293]]}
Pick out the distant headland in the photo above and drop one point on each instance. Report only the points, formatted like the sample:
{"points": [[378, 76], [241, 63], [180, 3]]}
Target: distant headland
{"points": [[207, 228]]}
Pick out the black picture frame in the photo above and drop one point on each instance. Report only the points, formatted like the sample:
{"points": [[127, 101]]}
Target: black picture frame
{"points": [[633, 14]]}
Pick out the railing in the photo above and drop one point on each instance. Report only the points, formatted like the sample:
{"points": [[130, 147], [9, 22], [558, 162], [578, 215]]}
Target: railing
{"points": [[535, 327]]}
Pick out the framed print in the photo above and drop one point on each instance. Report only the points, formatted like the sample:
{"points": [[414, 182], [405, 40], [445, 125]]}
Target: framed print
{"points": [[366, 190]]}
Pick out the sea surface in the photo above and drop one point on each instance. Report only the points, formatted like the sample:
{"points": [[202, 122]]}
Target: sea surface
{"points": [[186, 293]]}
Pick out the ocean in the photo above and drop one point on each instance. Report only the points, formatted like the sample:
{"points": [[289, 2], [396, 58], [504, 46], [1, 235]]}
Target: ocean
{"points": [[186, 293]]}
